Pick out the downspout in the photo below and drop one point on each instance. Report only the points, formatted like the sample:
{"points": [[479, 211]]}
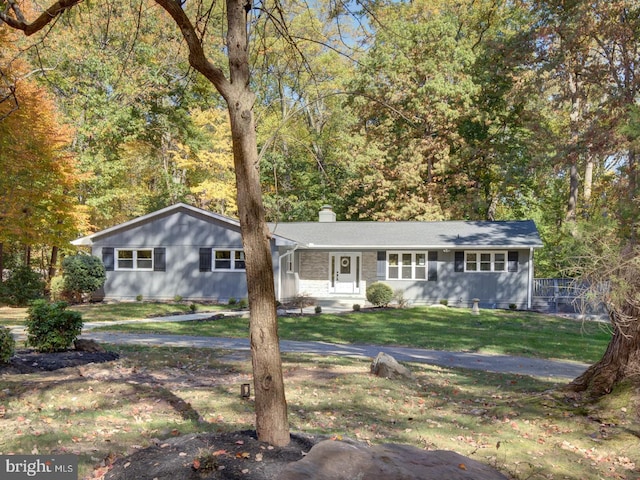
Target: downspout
{"points": [[530, 286], [285, 255]]}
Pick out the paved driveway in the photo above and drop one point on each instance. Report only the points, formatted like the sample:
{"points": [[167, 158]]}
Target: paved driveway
{"points": [[564, 370]]}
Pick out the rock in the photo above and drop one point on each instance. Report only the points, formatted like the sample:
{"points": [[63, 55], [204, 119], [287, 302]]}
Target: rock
{"points": [[83, 345], [388, 367], [335, 460]]}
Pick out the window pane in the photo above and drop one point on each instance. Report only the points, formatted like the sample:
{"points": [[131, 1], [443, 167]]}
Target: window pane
{"points": [[239, 260], [421, 263], [394, 271], [223, 259], [125, 259], [499, 264], [144, 259], [406, 265], [472, 262], [485, 262]]}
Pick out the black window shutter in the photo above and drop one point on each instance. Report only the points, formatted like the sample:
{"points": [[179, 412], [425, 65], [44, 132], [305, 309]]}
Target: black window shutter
{"points": [[159, 259], [381, 263], [205, 259], [432, 274], [108, 258], [459, 262], [513, 261]]}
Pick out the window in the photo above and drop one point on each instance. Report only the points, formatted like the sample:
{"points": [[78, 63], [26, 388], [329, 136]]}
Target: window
{"points": [[134, 259], [485, 261], [221, 259], [410, 266]]}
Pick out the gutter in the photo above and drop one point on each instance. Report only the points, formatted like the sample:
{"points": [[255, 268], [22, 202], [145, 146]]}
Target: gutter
{"points": [[530, 280]]}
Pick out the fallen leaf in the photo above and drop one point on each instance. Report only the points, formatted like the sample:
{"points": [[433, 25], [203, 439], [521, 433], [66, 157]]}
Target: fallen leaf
{"points": [[243, 455], [462, 466], [258, 457], [196, 464], [219, 452]]}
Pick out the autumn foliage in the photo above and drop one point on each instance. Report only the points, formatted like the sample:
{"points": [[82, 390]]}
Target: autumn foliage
{"points": [[38, 174]]}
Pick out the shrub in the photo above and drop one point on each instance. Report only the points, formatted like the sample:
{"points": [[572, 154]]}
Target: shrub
{"points": [[444, 302], [243, 303], [233, 301], [193, 307], [51, 327], [139, 298], [83, 274], [22, 286], [356, 307], [318, 309], [177, 298], [379, 294], [7, 345], [398, 296]]}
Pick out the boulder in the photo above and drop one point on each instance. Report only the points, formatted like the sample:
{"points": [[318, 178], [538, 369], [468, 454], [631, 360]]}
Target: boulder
{"points": [[91, 346], [386, 366], [336, 460]]}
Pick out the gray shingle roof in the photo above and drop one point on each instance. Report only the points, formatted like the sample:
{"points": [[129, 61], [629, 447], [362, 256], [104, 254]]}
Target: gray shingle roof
{"points": [[446, 234]]}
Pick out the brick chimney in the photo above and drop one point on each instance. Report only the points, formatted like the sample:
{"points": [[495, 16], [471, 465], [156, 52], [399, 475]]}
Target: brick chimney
{"points": [[326, 214]]}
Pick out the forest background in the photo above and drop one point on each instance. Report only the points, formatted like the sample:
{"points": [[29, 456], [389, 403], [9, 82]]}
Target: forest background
{"points": [[423, 110]]}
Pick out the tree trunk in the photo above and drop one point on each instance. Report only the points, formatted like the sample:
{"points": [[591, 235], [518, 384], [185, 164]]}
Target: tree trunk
{"points": [[271, 406], [1, 262], [622, 357], [53, 262], [620, 360]]}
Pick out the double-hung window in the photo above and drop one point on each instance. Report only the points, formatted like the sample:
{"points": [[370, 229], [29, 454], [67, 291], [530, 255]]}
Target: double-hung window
{"points": [[139, 259], [228, 260], [221, 259], [485, 261], [407, 265]]}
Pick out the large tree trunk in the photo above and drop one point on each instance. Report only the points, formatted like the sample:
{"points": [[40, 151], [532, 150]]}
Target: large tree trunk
{"points": [[620, 360], [622, 357], [271, 407]]}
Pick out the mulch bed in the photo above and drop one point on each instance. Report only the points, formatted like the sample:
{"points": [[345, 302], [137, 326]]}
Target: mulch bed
{"points": [[30, 361]]}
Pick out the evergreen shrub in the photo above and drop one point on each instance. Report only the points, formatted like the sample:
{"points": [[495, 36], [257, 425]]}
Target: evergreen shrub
{"points": [[22, 286], [83, 274], [51, 327], [379, 294], [7, 345]]}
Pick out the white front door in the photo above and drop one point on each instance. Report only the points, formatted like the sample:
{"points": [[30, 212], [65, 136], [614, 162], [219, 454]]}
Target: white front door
{"points": [[345, 272]]}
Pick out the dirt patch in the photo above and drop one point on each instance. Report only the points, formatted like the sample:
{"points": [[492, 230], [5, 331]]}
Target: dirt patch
{"points": [[30, 361], [226, 456]]}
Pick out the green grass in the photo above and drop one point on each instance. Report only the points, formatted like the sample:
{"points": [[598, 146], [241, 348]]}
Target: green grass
{"points": [[517, 424], [493, 331], [106, 312]]}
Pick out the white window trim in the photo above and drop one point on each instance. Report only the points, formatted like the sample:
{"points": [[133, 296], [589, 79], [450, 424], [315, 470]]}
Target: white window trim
{"points": [[492, 261], [134, 259], [233, 252], [400, 265]]}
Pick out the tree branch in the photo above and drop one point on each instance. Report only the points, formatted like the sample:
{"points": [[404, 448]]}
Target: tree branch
{"points": [[197, 57], [19, 22]]}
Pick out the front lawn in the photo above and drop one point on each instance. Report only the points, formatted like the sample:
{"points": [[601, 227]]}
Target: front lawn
{"points": [[106, 312], [493, 331]]}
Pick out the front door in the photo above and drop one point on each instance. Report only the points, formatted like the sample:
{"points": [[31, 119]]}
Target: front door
{"points": [[345, 273]]}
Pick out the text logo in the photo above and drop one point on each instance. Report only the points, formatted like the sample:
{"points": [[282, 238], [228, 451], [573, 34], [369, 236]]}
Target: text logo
{"points": [[38, 467]]}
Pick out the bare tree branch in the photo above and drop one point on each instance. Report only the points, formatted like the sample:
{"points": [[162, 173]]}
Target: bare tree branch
{"points": [[19, 22]]}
